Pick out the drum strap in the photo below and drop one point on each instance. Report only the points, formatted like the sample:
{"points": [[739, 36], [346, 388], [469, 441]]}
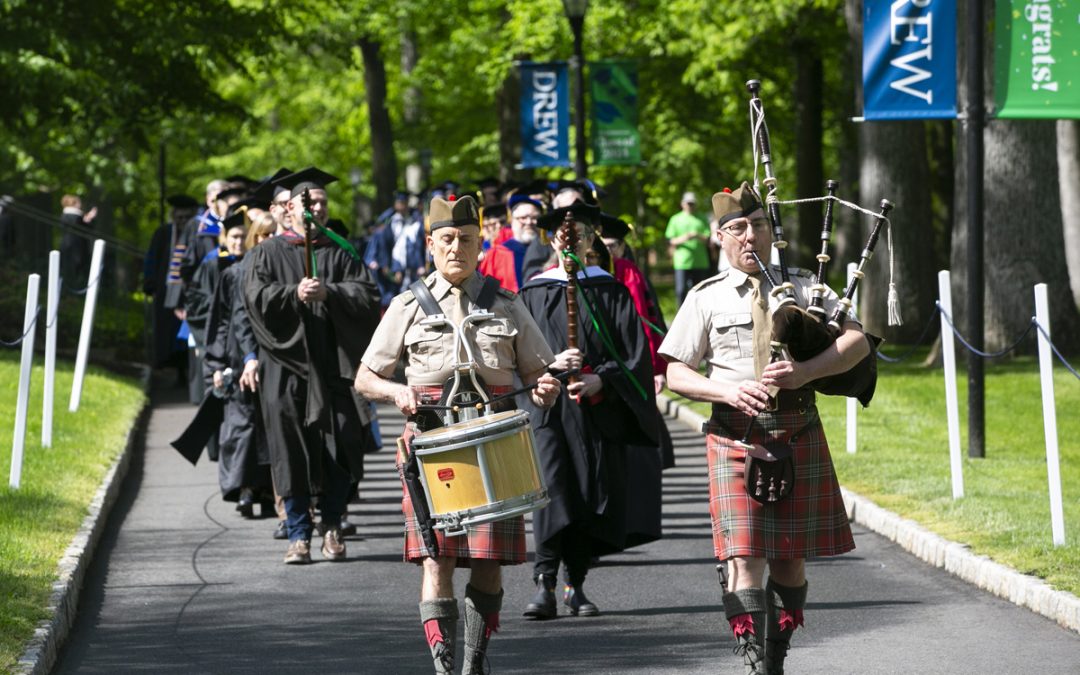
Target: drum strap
{"points": [[484, 300]]}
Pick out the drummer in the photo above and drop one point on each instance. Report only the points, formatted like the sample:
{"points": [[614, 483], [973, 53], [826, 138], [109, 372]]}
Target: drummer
{"points": [[509, 343]]}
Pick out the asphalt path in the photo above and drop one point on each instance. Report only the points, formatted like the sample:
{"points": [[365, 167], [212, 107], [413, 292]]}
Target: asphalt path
{"points": [[182, 584]]}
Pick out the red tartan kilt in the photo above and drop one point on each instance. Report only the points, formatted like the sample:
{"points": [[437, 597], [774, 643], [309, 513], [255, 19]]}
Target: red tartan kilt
{"points": [[503, 540], [810, 522]]}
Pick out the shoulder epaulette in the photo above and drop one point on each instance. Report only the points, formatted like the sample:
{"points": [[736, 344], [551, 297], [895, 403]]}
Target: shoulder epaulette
{"points": [[720, 276], [407, 297], [800, 272], [507, 293]]}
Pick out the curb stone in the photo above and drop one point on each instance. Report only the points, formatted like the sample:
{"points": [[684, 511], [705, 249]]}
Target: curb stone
{"points": [[1020, 589], [41, 651]]}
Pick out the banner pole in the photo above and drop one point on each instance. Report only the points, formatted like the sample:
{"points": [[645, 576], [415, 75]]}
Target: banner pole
{"points": [[973, 148], [22, 404], [92, 286]]}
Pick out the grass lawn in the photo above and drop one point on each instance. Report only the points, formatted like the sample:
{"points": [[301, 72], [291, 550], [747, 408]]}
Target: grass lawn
{"points": [[38, 521], [902, 462]]}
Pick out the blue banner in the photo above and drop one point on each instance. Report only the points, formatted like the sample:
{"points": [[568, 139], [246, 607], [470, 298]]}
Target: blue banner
{"points": [[545, 114], [909, 59]]}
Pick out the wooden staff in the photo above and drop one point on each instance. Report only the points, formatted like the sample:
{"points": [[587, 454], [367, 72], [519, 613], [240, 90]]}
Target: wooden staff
{"points": [[307, 218], [569, 235]]}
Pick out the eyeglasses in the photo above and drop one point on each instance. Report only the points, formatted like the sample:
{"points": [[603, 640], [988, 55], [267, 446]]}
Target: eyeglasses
{"points": [[738, 228]]}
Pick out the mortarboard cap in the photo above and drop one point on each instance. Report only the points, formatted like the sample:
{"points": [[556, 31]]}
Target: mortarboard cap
{"points": [[488, 182], [182, 202], [253, 202], [494, 211], [613, 226], [586, 213], [310, 178], [233, 190], [236, 219], [267, 189]]}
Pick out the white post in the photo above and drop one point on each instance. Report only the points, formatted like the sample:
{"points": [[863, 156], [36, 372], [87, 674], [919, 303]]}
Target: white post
{"points": [[23, 402], [952, 406], [50, 349], [1046, 372], [92, 285], [852, 403]]}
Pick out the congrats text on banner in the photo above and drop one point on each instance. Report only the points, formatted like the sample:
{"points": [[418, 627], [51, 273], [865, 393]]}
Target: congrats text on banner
{"points": [[1037, 59]]}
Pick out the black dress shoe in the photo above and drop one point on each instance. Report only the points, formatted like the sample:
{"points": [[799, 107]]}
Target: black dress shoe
{"points": [[267, 509], [282, 531], [542, 606], [346, 528], [577, 603]]}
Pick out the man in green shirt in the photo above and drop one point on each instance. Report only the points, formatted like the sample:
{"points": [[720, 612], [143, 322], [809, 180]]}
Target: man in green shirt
{"points": [[688, 240]]}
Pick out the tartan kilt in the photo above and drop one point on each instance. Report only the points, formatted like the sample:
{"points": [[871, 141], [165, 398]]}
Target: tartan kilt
{"points": [[809, 522], [502, 540]]}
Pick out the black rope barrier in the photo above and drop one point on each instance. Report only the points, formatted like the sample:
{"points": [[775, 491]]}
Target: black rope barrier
{"points": [[977, 352], [918, 343], [1055, 349], [18, 341]]}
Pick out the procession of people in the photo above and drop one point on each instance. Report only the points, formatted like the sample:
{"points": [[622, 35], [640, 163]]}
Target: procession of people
{"points": [[467, 309]]}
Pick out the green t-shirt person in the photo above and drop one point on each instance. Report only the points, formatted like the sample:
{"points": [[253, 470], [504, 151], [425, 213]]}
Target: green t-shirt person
{"points": [[693, 253]]}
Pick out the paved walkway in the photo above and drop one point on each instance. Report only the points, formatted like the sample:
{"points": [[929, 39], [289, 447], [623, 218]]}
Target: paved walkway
{"points": [[182, 584]]}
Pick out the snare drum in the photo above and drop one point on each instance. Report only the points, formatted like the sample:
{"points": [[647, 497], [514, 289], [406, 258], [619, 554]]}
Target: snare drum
{"points": [[480, 470]]}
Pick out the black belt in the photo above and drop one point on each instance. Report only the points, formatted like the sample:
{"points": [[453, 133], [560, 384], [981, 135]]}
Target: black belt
{"points": [[787, 400]]}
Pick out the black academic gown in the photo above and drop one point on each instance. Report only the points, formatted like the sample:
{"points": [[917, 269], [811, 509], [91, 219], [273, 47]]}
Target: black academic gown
{"points": [[164, 323], [308, 356], [243, 455], [198, 299], [74, 252], [583, 447]]}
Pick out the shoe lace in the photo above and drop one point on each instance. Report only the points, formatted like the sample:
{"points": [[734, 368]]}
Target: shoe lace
{"points": [[750, 651]]}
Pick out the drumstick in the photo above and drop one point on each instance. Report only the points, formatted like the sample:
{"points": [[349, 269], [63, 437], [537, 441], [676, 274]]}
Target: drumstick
{"points": [[561, 377]]}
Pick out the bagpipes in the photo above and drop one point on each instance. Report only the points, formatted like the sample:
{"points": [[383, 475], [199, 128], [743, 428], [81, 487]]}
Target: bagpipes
{"points": [[806, 333]]}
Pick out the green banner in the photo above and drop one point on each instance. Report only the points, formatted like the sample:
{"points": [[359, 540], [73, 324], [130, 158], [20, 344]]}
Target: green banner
{"points": [[614, 112], [1036, 59]]}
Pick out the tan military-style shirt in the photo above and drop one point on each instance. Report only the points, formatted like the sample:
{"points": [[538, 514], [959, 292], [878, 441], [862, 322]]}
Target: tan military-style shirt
{"points": [[713, 324], [508, 343]]}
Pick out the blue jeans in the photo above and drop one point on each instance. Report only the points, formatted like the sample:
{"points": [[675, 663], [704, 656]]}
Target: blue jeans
{"points": [[331, 503], [687, 279]]}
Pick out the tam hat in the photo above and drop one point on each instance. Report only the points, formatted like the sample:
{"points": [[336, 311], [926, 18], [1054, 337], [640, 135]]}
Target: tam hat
{"points": [[518, 199], [740, 203], [310, 178], [456, 213], [232, 191], [493, 211]]}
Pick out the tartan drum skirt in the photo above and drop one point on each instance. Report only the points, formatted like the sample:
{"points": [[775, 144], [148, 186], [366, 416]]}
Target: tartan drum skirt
{"points": [[809, 522], [503, 540]]}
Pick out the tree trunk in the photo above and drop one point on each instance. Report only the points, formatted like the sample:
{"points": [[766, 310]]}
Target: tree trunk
{"points": [[810, 180], [1025, 244], [383, 160], [894, 166], [411, 102], [1068, 152], [507, 100]]}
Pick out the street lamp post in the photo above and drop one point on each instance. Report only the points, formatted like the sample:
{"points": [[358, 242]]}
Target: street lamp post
{"points": [[575, 12]]}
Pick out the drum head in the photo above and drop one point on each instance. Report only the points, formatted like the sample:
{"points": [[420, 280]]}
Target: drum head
{"points": [[479, 428]]}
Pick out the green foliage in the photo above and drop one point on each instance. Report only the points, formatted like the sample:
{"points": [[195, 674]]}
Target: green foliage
{"points": [[245, 87], [39, 520]]}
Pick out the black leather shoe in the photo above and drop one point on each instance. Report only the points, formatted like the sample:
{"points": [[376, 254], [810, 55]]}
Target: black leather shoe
{"points": [[577, 603], [282, 532], [542, 606], [347, 528], [246, 504]]}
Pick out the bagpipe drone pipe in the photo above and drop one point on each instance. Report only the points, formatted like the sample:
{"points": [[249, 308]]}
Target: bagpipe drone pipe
{"points": [[805, 333]]}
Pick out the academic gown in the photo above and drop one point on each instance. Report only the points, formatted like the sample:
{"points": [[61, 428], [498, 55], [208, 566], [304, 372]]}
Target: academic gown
{"points": [[155, 279], [198, 298], [243, 455], [308, 356], [583, 447]]}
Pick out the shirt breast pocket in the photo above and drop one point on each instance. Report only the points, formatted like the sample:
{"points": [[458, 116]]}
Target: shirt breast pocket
{"points": [[733, 336], [495, 338], [424, 347]]}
